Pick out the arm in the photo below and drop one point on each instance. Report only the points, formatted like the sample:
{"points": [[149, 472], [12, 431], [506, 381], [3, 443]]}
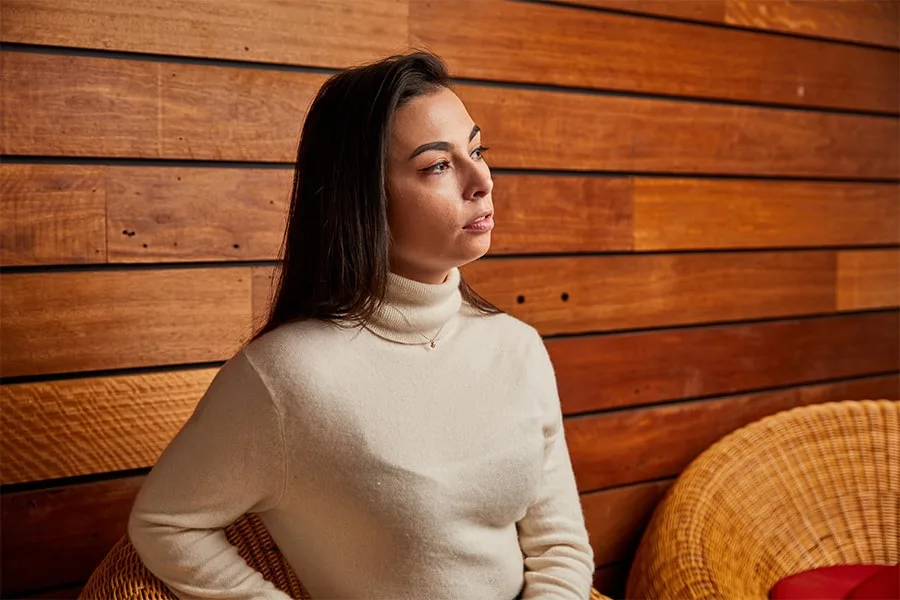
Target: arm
{"points": [[559, 561], [227, 460]]}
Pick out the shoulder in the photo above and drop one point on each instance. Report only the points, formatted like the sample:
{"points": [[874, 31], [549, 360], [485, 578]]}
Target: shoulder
{"points": [[508, 334]]}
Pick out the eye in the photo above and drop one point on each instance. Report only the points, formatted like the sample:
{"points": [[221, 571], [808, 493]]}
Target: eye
{"points": [[437, 168], [478, 153]]}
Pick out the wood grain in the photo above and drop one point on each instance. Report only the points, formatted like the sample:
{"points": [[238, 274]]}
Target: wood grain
{"points": [[677, 214], [57, 105], [82, 321], [544, 213], [58, 536], [712, 11], [327, 33], [558, 130], [50, 217], [77, 106], [581, 48], [91, 425], [616, 518], [637, 445], [868, 279], [623, 292], [871, 21], [196, 214], [629, 369]]}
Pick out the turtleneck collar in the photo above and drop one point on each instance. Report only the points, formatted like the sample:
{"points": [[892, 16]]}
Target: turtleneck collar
{"points": [[414, 312]]}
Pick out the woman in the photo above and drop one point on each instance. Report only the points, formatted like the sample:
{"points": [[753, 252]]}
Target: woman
{"points": [[398, 435]]}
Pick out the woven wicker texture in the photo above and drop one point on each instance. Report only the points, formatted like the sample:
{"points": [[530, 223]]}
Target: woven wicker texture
{"points": [[809, 487], [122, 576]]}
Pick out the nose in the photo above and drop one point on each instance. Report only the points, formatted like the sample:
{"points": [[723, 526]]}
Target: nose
{"points": [[479, 182]]}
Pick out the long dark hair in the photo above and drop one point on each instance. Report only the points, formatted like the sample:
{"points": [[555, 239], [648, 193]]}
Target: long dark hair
{"points": [[335, 251]]}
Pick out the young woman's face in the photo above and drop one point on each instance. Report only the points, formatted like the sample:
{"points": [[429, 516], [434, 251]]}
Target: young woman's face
{"points": [[440, 210]]}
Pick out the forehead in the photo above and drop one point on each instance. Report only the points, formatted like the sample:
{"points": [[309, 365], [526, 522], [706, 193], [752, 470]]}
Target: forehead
{"points": [[439, 116]]}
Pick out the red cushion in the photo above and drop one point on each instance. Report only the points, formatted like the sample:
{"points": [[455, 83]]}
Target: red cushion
{"points": [[883, 585], [824, 583]]}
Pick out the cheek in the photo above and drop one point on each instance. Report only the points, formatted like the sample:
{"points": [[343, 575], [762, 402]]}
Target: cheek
{"points": [[422, 209]]}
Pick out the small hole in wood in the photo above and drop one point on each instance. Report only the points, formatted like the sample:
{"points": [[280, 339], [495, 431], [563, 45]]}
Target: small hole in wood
{"points": [[521, 299], [145, 245], [565, 296], [236, 246], [246, 48]]}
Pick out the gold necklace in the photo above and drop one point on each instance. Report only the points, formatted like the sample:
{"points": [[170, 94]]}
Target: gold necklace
{"points": [[430, 342]]}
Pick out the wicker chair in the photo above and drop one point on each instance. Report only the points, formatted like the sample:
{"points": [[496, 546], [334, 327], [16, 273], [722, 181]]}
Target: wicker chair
{"points": [[122, 575], [809, 487]]}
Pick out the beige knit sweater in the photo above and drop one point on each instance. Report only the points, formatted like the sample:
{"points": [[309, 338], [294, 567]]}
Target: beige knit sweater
{"points": [[382, 467]]}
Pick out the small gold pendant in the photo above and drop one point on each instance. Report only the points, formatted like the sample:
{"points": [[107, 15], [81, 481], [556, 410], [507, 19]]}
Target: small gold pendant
{"points": [[432, 343]]}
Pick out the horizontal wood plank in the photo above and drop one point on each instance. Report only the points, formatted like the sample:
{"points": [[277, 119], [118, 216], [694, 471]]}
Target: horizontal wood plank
{"points": [[69, 592], [326, 33], [868, 279], [82, 321], [77, 106], [52, 216], [56, 105], [559, 130], [672, 214], [868, 21], [58, 536], [572, 295], [582, 48], [616, 518], [629, 369], [196, 214], [712, 11], [85, 426], [637, 445]]}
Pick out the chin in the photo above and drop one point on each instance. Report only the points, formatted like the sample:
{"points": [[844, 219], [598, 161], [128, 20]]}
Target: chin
{"points": [[475, 249]]}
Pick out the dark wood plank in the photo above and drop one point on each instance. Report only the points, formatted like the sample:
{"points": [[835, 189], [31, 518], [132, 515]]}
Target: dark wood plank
{"points": [[85, 426], [573, 295], [868, 279], [610, 579], [557, 130], [58, 536], [82, 321], [544, 213], [616, 518], [196, 214], [869, 21], [68, 592], [78, 106], [56, 105], [712, 11], [327, 33], [619, 370], [671, 214], [51, 217], [593, 49], [637, 445]]}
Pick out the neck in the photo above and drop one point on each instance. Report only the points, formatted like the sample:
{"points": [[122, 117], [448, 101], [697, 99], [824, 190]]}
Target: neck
{"points": [[419, 275], [416, 312]]}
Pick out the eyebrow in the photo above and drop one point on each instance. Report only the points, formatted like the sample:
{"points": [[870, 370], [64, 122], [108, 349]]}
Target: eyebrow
{"points": [[444, 146]]}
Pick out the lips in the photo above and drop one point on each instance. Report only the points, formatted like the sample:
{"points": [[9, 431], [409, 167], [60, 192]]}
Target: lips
{"points": [[483, 216], [481, 224]]}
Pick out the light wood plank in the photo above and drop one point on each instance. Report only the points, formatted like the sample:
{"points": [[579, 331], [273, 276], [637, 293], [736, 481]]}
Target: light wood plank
{"points": [[628, 446], [196, 214], [82, 321], [581, 48], [50, 217], [678, 214], [616, 518], [868, 279], [614, 292], [326, 33], [56, 105], [557, 130], [78, 106], [629, 369], [543, 213], [712, 11], [85, 426], [58, 536], [869, 21]]}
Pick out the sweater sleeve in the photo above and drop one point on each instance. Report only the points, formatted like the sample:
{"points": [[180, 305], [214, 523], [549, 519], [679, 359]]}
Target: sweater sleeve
{"points": [[559, 561], [227, 460]]}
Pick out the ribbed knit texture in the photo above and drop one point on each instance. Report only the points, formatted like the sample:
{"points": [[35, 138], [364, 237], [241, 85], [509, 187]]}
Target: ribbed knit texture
{"points": [[382, 467]]}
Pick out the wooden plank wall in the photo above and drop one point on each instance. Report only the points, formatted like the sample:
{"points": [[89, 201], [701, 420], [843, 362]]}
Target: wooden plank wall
{"points": [[697, 204]]}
